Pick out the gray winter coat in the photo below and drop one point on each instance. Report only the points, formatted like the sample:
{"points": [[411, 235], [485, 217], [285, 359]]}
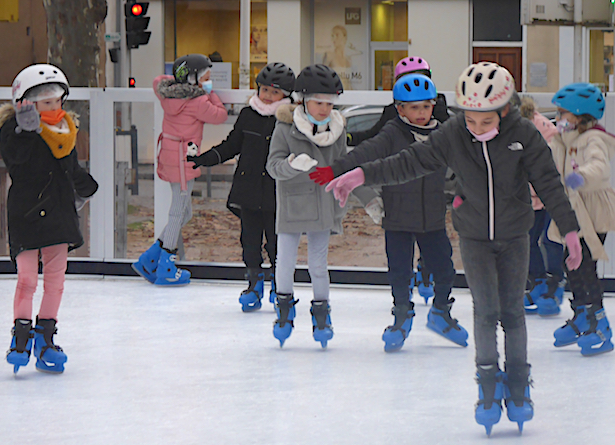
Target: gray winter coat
{"points": [[492, 177], [302, 205]]}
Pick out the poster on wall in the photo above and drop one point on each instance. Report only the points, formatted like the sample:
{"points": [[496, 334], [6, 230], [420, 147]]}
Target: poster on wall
{"points": [[341, 40], [258, 43]]}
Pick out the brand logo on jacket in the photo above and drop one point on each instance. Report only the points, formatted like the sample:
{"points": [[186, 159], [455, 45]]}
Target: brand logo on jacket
{"points": [[515, 146]]}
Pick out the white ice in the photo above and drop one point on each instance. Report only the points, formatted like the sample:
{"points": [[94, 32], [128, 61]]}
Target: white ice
{"points": [[151, 365]]}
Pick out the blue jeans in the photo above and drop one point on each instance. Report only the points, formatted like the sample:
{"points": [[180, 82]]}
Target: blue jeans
{"points": [[436, 252], [554, 251], [496, 272]]}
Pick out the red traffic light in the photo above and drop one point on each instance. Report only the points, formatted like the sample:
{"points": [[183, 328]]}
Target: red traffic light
{"points": [[131, 82], [136, 9]]}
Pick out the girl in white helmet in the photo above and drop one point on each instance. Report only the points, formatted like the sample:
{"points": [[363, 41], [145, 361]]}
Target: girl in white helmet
{"points": [[494, 153], [37, 143]]}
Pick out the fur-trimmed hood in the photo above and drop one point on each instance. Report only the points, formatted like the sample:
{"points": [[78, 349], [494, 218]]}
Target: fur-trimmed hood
{"points": [[7, 111], [527, 108], [285, 113], [170, 89]]}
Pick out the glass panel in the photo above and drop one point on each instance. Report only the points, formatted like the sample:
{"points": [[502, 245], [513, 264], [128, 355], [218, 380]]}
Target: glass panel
{"points": [[601, 57], [497, 20], [389, 21], [384, 68]]}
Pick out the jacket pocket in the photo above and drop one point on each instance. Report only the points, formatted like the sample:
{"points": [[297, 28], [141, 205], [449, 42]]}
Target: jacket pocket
{"points": [[41, 210], [301, 202]]}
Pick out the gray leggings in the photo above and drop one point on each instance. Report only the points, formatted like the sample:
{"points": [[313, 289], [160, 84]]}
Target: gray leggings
{"points": [[496, 272], [179, 215], [318, 248]]}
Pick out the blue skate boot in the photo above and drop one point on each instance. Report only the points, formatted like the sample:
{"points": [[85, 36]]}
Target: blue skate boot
{"points": [[597, 338], [285, 309], [394, 336], [148, 262], [490, 393], [321, 321], [250, 298], [272, 294], [167, 274], [425, 284], [21, 344], [440, 321], [49, 357], [517, 384], [549, 302], [537, 288], [573, 329]]}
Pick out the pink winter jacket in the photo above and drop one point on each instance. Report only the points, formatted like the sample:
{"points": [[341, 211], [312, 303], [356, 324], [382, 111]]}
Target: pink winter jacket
{"points": [[548, 130], [186, 108]]}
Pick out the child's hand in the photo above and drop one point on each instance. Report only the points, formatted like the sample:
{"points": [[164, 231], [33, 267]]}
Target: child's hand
{"points": [[575, 254], [27, 117], [343, 185], [375, 210], [322, 175], [302, 162]]}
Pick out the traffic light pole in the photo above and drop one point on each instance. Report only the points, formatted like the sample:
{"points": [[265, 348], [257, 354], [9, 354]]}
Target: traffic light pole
{"points": [[244, 45]]}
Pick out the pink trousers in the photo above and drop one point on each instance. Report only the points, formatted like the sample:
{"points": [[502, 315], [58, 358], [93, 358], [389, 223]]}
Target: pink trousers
{"points": [[54, 268]]}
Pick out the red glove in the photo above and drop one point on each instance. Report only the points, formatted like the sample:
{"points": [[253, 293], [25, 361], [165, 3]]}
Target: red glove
{"points": [[322, 175]]}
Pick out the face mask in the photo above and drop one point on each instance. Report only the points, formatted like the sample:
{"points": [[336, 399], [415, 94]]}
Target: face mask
{"points": [[485, 137], [53, 117], [563, 126], [314, 121], [208, 85]]}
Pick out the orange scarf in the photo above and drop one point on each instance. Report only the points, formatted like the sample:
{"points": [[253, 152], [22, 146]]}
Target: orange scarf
{"points": [[61, 144], [53, 117]]}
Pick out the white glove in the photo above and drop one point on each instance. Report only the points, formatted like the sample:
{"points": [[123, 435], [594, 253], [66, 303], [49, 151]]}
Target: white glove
{"points": [[80, 201], [192, 149], [375, 210], [302, 162]]}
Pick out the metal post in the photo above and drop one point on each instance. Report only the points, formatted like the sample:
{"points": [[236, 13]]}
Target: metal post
{"points": [[578, 41], [244, 45]]}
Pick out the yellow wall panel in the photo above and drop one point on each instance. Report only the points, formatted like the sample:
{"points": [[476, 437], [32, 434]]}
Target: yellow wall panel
{"points": [[9, 10]]}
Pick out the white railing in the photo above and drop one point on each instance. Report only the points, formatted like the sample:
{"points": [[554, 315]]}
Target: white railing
{"points": [[102, 158]]}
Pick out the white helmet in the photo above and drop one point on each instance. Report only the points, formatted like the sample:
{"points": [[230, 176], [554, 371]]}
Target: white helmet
{"points": [[484, 86], [36, 75]]}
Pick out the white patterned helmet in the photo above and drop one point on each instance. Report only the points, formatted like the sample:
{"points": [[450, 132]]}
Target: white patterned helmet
{"points": [[36, 75], [484, 86]]}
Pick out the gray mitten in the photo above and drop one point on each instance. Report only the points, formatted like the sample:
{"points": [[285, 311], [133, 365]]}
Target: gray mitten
{"points": [[27, 117]]}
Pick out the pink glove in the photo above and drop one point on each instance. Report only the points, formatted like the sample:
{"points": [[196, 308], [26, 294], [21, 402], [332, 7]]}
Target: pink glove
{"points": [[575, 255], [343, 185]]}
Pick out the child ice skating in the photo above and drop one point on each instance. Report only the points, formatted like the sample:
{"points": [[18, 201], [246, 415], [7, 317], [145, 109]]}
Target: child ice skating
{"points": [[37, 143], [414, 211], [188, 103], [582, 151], [252, 195], [306, 135], [495, 153]]}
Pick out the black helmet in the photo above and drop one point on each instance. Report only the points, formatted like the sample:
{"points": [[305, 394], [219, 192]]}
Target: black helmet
{"points": [[190, 64], [318, 78], [277, 75]]}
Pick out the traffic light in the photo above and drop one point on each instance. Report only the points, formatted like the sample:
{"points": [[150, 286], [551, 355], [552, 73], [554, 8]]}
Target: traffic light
{"points": [[136, 23], [131, 82]]}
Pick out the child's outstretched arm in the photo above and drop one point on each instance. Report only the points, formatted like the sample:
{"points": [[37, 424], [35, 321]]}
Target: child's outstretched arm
{"points": [[211, 110]]}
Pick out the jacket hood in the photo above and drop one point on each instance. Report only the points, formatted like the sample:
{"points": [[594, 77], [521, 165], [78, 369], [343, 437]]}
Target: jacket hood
{"points": [[170, 89], [527, 108], [284, 113]]}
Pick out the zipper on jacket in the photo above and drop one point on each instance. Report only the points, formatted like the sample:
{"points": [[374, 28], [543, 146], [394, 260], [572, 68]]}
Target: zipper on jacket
{"points": [[46, 185], [490, 188]]}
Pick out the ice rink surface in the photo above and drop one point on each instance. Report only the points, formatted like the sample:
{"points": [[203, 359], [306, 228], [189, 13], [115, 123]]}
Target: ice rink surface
{"points": [[151, 365]]}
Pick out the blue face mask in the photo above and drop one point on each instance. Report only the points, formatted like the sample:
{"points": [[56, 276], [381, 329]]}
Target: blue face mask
{"points": [[314, 121], [208, 85]]}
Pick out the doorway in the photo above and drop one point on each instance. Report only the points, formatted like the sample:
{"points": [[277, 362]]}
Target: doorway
{"points": [[508, 57]]}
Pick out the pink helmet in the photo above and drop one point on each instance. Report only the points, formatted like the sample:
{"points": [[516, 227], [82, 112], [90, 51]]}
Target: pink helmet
{"points": [[410, 65]]}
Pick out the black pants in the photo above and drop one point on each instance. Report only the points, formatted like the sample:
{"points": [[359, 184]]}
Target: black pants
{"points": [[584, 283], [255, 223]]}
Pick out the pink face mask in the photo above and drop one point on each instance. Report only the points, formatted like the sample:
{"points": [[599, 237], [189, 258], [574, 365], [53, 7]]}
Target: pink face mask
{"points": [[485, 137]]}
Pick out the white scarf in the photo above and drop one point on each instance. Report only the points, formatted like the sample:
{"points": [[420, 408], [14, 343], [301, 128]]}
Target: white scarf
{"points": [[266, 109], [327, 134]]}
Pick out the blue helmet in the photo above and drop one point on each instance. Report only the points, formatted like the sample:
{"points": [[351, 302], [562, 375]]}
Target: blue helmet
{"points": [[580, 98], [414, 88]]}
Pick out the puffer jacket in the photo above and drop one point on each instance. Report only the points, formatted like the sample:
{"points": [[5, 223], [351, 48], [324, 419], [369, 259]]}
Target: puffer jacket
{"points": [[414, 206], [41, 199], [302, 205], [594, 201], [186, 108], [492, 176]]}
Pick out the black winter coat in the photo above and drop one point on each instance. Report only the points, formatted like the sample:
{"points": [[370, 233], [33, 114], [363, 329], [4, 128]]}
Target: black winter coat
{"points": [[414, 206], [41, 199], [440, 113], [252, 187], [492, 176]]}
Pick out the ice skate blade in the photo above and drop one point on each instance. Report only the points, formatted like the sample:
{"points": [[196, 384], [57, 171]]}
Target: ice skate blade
{"points": [[252, 308], [607, 346], [47, 369], [559, 344], [488, 429], [520, 425], [151, 277], [463, 343]]}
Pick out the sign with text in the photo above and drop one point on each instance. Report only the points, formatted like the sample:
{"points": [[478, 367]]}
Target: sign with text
{"points": [[353, 16]]}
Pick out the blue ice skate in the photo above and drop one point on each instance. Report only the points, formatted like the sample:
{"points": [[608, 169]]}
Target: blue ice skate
{"points": [[49, 357], [425, 285], [394, 336], [538, 287], [440, 321], [573, 329], [548, 303], [519, 406], [148, 262], [597, 339], [250, 298], [21, 344], [321, 321], [490, 393], [167, 274], [285, 309]]}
